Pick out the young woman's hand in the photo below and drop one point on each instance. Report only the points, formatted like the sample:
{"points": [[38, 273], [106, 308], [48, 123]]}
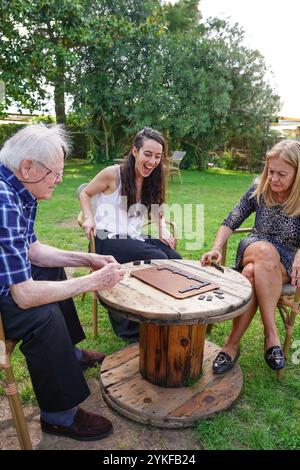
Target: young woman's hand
{"points": [[213, 255], [167, 238], [89, 227]]}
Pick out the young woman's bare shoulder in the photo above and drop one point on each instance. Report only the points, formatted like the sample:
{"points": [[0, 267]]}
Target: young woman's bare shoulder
{"points": [[108, 173], [107, 179], [108, 170], [104, 181]]}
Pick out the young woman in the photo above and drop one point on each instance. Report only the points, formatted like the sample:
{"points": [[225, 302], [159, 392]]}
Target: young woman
{"points": [[270, 255], [125, 196]]}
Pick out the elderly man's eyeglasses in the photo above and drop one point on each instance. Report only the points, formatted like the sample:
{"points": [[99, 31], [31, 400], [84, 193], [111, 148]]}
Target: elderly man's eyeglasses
{"points": [[58, 175]]}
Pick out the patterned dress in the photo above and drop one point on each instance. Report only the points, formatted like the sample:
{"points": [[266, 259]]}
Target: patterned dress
{"points": [[272, 224]]}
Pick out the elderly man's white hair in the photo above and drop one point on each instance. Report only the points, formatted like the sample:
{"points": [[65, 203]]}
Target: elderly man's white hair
{"points": [[36, 142]]}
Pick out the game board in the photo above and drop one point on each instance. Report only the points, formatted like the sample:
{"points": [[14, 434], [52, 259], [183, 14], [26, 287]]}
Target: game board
{"points": [[174, 281]]}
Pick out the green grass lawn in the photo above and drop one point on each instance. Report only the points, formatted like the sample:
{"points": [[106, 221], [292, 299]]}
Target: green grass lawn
{"points": [[267, 415]]}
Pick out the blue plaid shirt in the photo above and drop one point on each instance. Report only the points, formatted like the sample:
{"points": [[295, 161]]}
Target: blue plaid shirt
{"points": [[17, 215]]}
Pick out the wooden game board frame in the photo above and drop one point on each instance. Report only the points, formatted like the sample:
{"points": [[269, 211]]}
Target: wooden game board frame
{"points": [[165, 278]]}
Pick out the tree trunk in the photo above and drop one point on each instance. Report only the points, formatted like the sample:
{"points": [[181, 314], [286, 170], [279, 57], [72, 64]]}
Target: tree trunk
{"points": [[105, 138], [59, 91]]}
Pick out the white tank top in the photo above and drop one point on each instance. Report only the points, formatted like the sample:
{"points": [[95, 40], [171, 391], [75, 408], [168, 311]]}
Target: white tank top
{"points": [[110, 216]]}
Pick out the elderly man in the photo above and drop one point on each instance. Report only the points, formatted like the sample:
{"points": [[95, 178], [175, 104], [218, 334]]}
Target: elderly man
{"points": [[35, 308]]}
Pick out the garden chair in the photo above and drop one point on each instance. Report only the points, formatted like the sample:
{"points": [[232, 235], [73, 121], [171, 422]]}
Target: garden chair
{"points": [[174, 164], [288, 306], [80, 221], [10, 388]]}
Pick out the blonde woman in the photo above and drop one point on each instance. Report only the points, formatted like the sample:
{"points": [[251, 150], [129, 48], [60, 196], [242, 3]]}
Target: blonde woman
{"points": [[270, 255]]}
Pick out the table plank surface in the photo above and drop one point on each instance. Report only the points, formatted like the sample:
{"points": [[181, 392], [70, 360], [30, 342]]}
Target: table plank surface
{"points": [[143, 302]]}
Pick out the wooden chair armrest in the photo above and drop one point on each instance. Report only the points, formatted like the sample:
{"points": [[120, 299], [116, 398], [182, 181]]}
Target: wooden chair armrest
{"points": [[92, 241], [80, 219], [10, 345], [173, 226], [297, 295], [242, 230], [237, 231], [174, 230], [175, 165]]}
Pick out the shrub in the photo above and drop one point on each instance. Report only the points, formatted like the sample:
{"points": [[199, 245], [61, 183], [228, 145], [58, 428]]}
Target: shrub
{"points": [[43, 120], [233, 160], [8, 130]]}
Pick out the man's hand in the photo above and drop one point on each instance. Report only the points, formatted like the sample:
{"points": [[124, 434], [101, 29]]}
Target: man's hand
{"points": [[107, 277], [208, 257], [32, 293], [99, 261]]}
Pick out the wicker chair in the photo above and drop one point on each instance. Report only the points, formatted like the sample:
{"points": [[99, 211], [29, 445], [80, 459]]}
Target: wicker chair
{"points": [[10, 388], [174, 164], [288, 305]]}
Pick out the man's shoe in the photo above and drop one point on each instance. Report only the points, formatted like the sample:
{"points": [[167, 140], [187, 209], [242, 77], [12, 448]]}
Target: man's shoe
{"points": [[274, 357], [86, 427], [91, 358], [223, 362]]}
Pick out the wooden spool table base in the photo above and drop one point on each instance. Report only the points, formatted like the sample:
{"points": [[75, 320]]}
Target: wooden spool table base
{"points": [[125, 390]]}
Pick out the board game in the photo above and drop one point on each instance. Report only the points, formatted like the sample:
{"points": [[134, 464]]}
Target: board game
{"points": [[174, 281]]}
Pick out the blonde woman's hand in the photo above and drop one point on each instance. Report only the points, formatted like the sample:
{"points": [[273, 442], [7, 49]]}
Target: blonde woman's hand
{"points": [[213, 255]]}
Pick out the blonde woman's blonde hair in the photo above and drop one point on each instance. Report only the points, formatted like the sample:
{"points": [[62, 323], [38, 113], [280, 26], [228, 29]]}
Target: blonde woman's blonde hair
{"points": [[288, 151]]}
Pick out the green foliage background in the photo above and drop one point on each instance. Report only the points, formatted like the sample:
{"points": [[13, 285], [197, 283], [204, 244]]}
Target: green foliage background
{"points": [[126, 64]]}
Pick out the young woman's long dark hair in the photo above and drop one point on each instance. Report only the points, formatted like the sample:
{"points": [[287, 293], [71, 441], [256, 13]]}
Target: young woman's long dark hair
{"points": [[154, 186]]}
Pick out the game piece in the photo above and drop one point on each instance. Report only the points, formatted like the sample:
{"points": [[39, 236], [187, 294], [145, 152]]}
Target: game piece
{"points": [[217, 266], [189, 288]]}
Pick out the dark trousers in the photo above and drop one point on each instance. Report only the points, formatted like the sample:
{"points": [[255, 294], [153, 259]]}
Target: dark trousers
{"points": [[48, 334], [125, 251]]}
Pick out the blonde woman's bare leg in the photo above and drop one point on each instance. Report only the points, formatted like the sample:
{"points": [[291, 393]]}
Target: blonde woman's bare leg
{"points": [[269, 275], [241, 323], [262, 267]]}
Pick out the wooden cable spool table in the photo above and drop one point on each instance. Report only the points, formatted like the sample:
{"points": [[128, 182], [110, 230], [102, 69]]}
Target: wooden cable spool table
{"points": [[166, 380]]}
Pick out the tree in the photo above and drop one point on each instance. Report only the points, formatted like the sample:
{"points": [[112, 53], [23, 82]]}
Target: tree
{"points": [[39, 45], [114, 75], [183, 17], [127, 64], [253, 103], [202, 89]]}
